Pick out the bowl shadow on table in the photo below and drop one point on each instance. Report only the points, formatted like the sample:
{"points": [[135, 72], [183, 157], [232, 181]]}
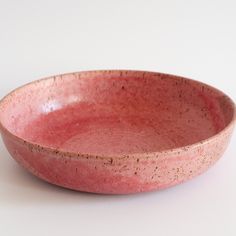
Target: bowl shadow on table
{"points": [[19, 187]]}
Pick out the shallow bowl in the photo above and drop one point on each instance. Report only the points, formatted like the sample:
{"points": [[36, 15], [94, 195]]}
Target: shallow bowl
{"points": [[116, 131]]}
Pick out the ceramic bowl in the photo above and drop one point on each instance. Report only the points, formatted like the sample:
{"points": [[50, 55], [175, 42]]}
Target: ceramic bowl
{"points": [[116, 131]]}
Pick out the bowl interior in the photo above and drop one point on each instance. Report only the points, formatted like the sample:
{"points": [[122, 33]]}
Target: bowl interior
{"points": [[115, 112]]}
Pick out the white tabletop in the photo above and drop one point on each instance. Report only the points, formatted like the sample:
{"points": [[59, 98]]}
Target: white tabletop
{"points": [[195, 39]]}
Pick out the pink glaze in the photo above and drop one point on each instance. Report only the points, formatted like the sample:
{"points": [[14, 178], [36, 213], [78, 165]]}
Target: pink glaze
{"points": [[116, 131]]}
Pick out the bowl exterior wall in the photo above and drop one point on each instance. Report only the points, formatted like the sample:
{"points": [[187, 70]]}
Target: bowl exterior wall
{"points": [[121, 174]]}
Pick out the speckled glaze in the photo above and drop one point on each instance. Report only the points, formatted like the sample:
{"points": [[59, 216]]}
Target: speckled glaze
{"points": [[116, 132]]}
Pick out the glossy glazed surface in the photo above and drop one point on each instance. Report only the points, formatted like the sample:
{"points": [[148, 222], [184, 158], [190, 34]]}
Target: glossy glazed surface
{"points": [[116, 131]]}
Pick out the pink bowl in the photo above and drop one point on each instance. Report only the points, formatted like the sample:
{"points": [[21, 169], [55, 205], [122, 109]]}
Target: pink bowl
{"points": [[116, 131]]}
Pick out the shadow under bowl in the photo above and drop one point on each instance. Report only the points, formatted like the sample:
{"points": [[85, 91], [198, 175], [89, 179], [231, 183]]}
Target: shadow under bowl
{"points": [[116, 131]]}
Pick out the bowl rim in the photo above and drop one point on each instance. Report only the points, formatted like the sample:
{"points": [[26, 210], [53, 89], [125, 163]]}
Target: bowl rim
{"points": [[70, 154]]}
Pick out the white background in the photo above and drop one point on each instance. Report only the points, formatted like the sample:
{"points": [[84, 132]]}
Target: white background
{"points": [[195, 39]]}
